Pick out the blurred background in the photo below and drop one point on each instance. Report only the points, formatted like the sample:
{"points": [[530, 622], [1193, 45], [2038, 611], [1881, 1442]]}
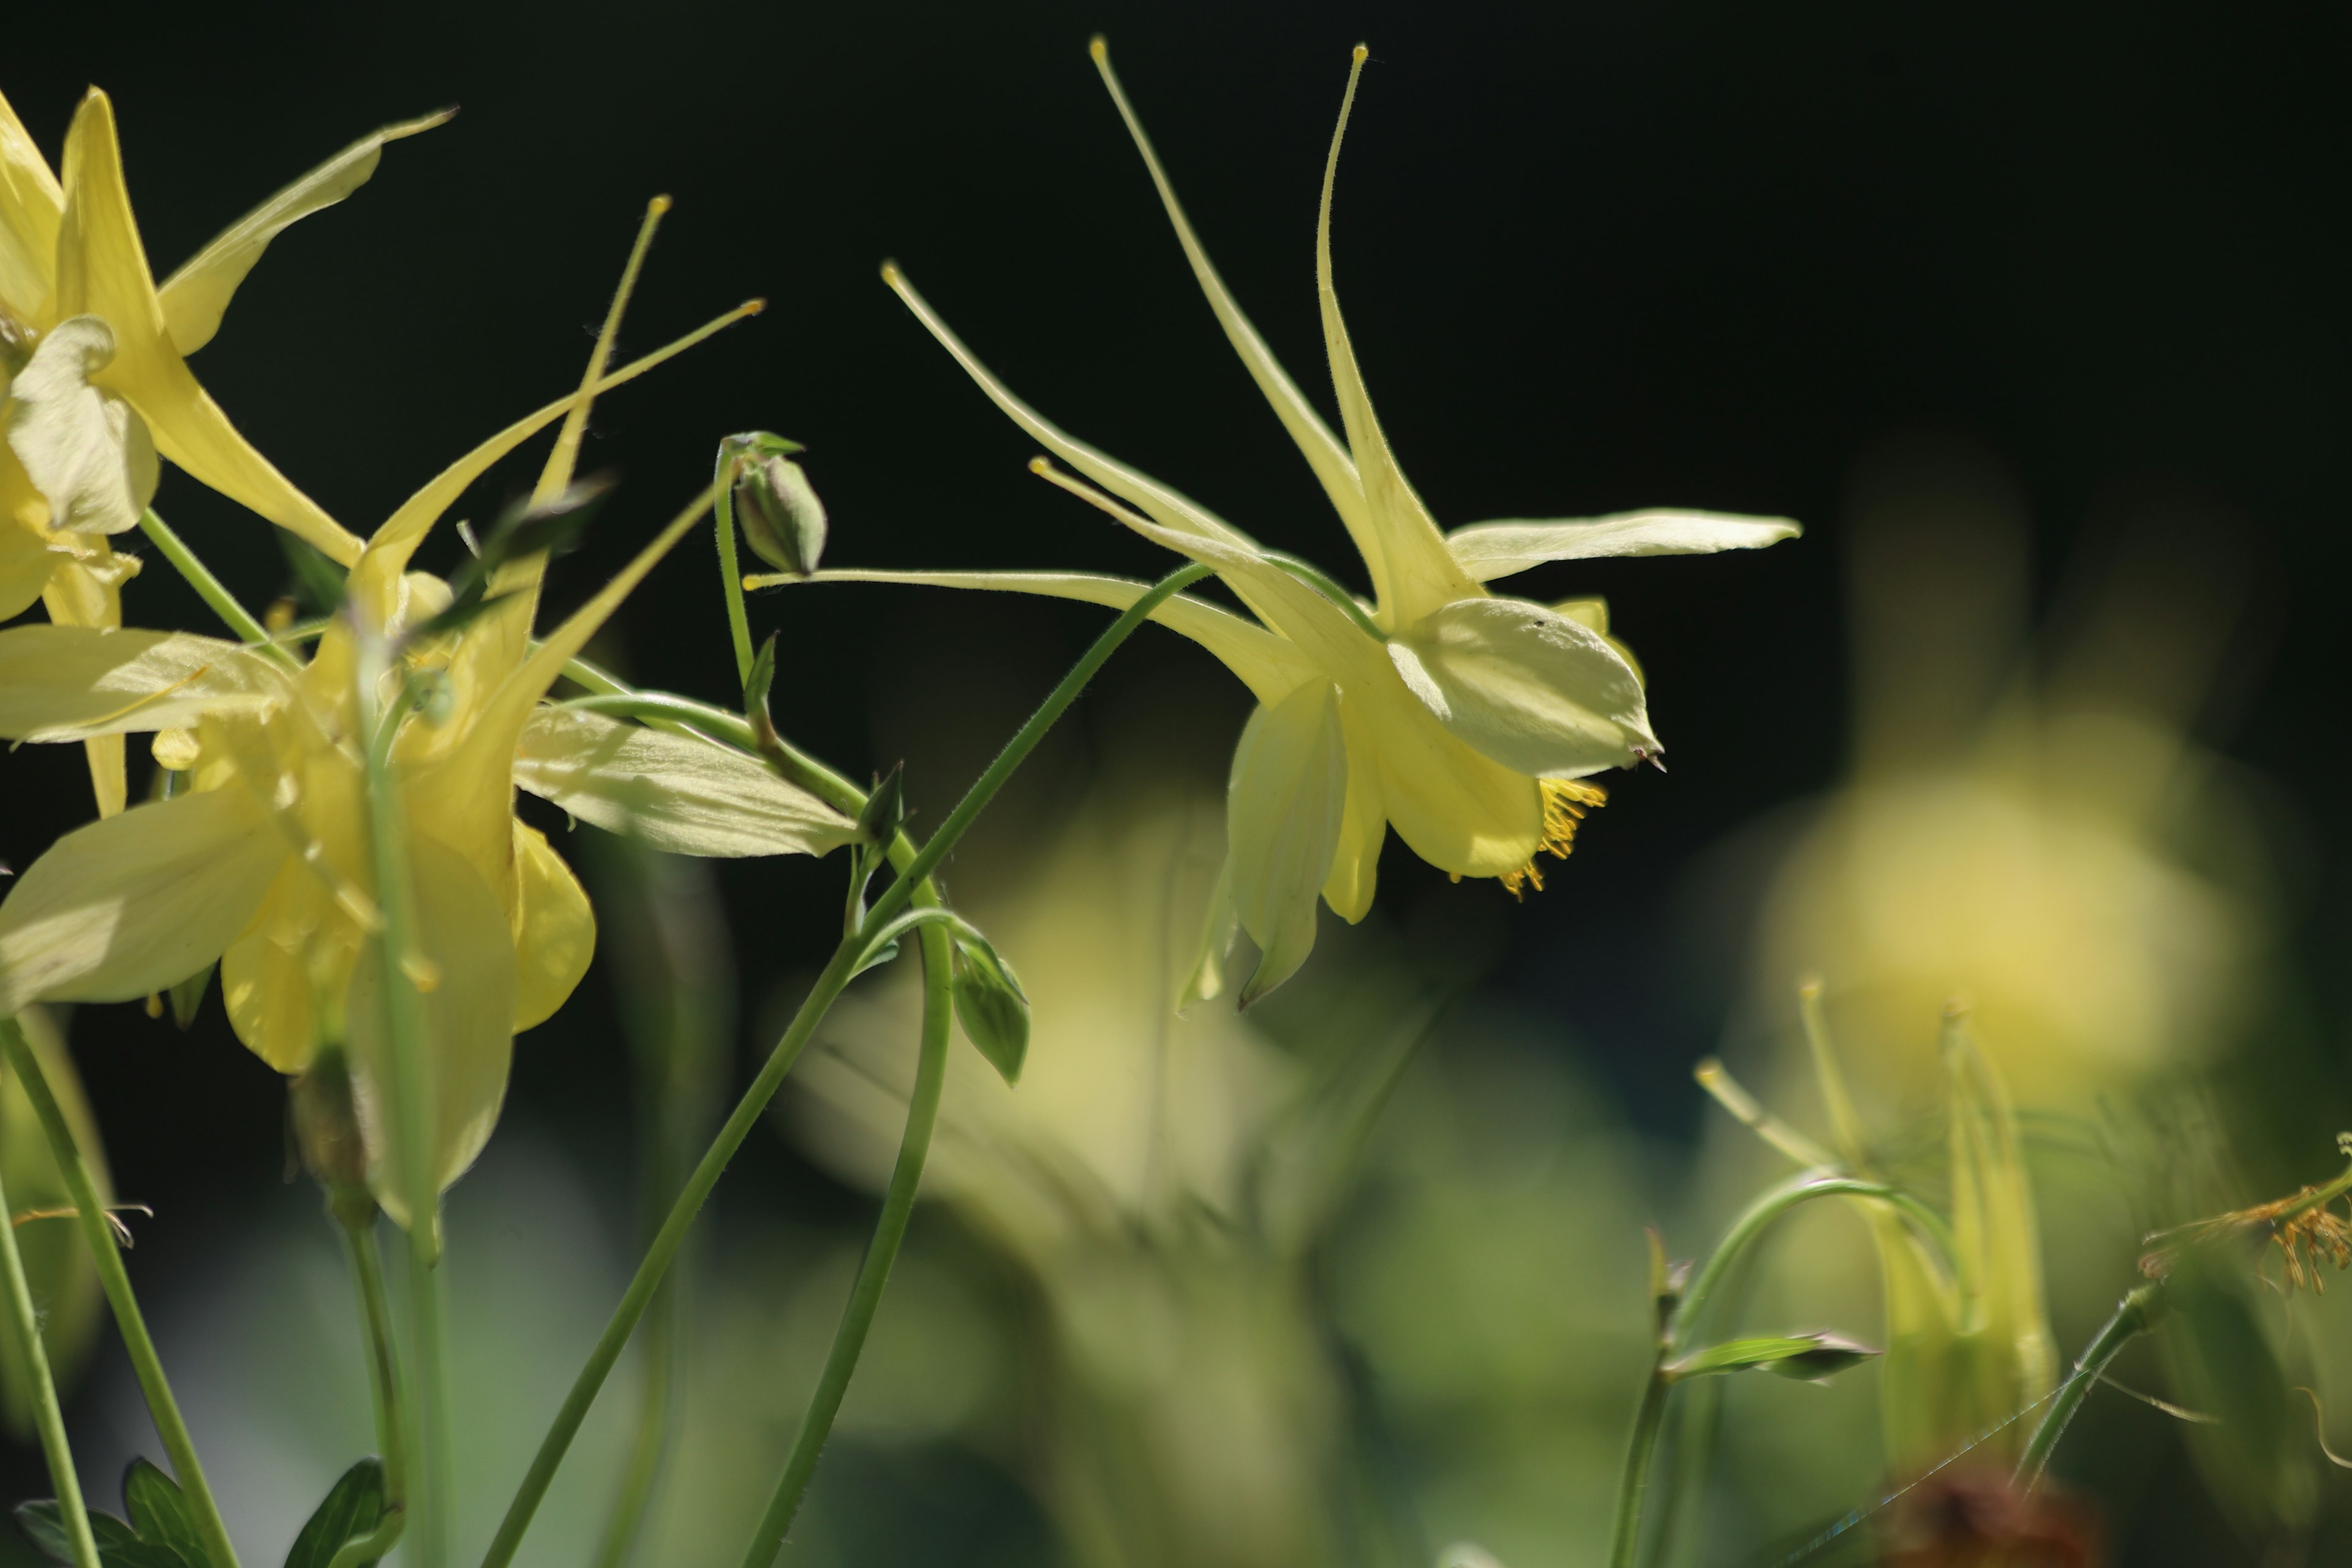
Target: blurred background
{"points": [[2030, 317]]}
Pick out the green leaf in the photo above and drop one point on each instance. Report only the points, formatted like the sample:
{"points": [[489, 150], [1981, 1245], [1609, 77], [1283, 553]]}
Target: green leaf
{"points": [[353, 1509], [762, 677], [119, 1545], [990, 1004], [1807, 1358], [45, 1527], [886, 809], [160, 1512]]}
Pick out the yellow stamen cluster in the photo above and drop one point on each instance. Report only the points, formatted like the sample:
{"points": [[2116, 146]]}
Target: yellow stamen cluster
{"points": [[1565, 802]]}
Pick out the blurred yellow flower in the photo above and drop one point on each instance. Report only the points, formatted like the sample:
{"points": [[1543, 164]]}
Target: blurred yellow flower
{"points": [[1466, 720], [94, 381], [263, 859]]}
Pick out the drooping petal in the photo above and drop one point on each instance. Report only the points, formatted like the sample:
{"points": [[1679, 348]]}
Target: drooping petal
{"points": [[195, 297], [25, 562], [1455, 807], [1363, 828], [466, 949], [102, 271], [282, 983], [1271, 668], [138, 902], [1537, 691], [1412, 572], [1284, 803], [30, 206], [85, 589], [554, 931], [1324, 453], [68, 682], [678, 794], [86, 449], [1491, 549]]}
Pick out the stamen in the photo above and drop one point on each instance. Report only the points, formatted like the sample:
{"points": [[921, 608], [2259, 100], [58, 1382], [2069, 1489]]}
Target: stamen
{"points": [[560, 462], [1565, 802]]}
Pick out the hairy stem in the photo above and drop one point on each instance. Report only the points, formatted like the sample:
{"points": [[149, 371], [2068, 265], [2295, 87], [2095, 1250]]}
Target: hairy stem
{"points": [[116, 1282], [2135, 1314]]}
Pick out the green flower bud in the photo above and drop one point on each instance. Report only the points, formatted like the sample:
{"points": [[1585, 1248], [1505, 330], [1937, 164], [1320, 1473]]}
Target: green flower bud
{"points": [[778, 510], [990, 1004]]}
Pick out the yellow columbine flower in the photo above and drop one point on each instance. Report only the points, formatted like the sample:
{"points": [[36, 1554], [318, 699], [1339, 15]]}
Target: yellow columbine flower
{"points": [[1466, 721], [94, 381], [263, 861]]}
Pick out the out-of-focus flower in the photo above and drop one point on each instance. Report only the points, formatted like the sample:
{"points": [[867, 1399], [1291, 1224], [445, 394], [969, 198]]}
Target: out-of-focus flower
{"points": [[2041, 837], [264, 861], [57, 1264], [1466, 721], [1977, 1520], [94, 381]]}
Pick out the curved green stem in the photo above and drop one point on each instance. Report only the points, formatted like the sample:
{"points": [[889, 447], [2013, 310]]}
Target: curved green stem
{"points": [[874, 1273], [2135, 1314], [1641, 1454], [211, 589], [116, 1282], [383, 1383], [1323, 582], [47, 1419], [730, 575]]}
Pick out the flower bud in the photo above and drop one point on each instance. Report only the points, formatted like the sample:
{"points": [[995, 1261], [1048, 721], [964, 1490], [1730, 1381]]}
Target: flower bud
{"points": [[327, 1137], [779, 513], [990, 1004]]}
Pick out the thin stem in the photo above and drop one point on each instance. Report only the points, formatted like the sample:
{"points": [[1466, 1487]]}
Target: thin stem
{"points": [[1641, 1454], [873, 1274], [1016, 750], [26, 1324], [730, 575], [116, 1282], [2135, 1314], [1323, 582], [412, 1098], [914, 869], [383, 1383], [210, 589]]}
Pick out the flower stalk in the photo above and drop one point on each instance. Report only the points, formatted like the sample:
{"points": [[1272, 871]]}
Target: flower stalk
{"points": [[383, 1383], [2137, 1312], [96, 1230]]}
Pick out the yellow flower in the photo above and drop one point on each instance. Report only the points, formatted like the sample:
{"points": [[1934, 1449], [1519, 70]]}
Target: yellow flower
{"points": [[263, 860], [94, 382], [1466, 720]]}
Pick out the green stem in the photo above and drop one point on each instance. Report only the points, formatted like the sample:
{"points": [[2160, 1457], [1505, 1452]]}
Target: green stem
{"points": [[412, 1099], [116, 1282], [2135, 1314], [211, 590], [50, 1422], [914, 869], [383, 1383], [873, 1274], [730, 575], [1641, 1454], [1016, 750], [1322, 582]]}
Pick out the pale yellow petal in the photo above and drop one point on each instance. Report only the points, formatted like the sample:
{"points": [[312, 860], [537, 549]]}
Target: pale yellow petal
{"points": [[554, 929], [102, 271], [138, 902], [280, 980], [1491, 549], [1457, 809], [68, 682], [1537, 691], [85, 589], [85, 448], [1363, 828], [1270, 666], [1412, 572], [195, 297], [1284, 802], [30, 206], [685, 795], [1324, 454], [466, 950]]}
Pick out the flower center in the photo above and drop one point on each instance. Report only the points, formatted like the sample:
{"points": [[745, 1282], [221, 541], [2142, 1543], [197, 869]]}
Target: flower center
{"points": [[1565, 802]]}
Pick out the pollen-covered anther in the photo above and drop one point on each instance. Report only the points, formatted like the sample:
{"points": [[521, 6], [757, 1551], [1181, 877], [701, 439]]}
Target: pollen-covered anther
{"points": [[1565, 802]]}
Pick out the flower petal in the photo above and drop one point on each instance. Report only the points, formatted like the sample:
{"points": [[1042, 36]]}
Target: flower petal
{"points": [[137, 903], [554, 931], [102, 271], [85, 448], [195, 297], [283, 980], [85, 589], [1455, 807], [1284, 803], [30, 205], [468, 949], [68, 682], [1363, 829], [1324, 453], [685, 795], [1498, 549], [1537, 691], [1270, 666], [1411, 573]]}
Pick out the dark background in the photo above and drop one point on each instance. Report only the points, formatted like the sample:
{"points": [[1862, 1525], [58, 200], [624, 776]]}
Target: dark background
{"points": [[1595, 256]]}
